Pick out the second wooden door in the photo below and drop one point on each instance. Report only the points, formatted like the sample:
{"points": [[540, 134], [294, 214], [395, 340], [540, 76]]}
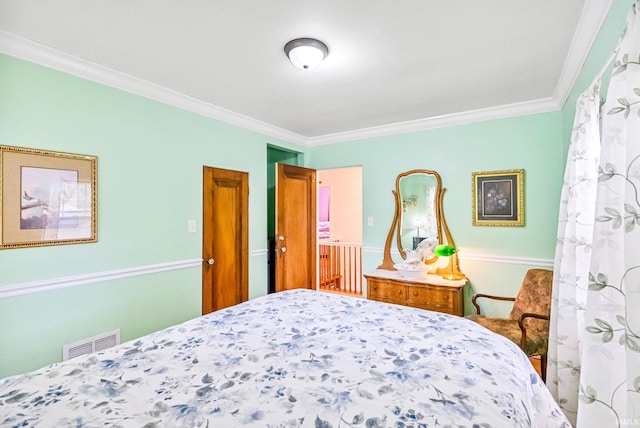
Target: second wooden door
{"points": [[295, 239]]}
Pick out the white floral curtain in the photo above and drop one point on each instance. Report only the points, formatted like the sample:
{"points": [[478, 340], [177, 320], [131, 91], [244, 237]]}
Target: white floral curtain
{"points": [[594, 349]]}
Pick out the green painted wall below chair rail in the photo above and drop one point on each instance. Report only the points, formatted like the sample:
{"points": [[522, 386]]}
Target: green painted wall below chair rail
{"points": [[150, 159]]}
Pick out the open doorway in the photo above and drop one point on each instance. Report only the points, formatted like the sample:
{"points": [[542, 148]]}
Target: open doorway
{"points": [[340, 230]]}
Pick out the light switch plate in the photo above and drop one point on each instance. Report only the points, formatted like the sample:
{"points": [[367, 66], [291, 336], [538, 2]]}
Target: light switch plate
{"points": [[191, 226]]}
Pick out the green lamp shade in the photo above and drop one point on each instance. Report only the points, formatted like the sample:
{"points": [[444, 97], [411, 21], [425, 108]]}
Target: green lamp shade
{"points": [[444, 250]]}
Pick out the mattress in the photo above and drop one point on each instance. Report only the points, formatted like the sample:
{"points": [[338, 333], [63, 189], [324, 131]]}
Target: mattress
{"points": [[297, 358]]}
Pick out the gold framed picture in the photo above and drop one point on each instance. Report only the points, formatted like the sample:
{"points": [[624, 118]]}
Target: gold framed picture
{"points": [[47, 198], [498, 198]]}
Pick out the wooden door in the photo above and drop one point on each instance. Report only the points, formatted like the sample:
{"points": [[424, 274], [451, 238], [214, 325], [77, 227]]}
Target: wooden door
{"points": [[225, 238], [295, 241]]}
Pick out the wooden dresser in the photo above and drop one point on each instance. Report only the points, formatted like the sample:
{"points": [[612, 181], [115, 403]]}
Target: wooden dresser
{"points": [[433, 292]]}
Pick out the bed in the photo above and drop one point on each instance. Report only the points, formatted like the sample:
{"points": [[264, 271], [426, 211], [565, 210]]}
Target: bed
{"points": [[297, 358]]}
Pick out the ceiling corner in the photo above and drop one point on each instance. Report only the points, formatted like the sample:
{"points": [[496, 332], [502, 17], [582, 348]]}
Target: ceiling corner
{"points": [[592, 17]]}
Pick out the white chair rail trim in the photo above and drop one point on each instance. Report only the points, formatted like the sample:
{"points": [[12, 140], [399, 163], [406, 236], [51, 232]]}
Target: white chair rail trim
{"points": [[482, 258], [508, 259], [259, 253], [72, 281]]}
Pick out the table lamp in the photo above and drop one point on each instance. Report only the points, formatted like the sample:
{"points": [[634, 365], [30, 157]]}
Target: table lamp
{"points": [[447, 251]]}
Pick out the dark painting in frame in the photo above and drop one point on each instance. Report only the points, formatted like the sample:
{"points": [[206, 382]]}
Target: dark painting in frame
{"points": [[498, 198], [46, 198]]}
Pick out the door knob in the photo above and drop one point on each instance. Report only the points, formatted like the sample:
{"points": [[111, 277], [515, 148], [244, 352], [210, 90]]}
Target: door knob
{"points": [[283, 249], [281, 237], [210, 261]]}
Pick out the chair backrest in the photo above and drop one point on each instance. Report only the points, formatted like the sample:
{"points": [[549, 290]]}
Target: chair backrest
{"points": [[534, 295]]}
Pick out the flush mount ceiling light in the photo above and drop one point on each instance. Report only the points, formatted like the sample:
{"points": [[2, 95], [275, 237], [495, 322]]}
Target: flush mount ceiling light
{"points": [[306, 53]]}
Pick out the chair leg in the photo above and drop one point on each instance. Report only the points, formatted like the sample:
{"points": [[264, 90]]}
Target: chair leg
{"points": [[543, 367]]}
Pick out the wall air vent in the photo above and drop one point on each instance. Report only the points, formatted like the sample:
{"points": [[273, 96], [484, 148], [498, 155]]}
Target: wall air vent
{"points": [[91, 344]]}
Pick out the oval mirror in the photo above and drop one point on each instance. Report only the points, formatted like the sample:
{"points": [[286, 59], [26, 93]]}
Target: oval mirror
{"points": [[418, 224]]}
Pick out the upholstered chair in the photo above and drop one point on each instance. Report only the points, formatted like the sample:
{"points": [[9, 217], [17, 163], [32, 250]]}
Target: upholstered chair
{"points": [[528, 323]]}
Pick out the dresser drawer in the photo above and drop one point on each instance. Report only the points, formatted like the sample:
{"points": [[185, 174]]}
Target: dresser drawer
{"points": [[431, 296], [434, 296], [419, 294], [385, 290]]}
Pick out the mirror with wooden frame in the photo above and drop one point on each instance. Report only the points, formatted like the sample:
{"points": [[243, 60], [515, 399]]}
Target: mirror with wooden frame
{"points": [[419, 220]]}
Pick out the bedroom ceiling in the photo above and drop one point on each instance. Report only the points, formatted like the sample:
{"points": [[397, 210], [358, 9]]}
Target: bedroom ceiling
{"points": [[392, 66]]}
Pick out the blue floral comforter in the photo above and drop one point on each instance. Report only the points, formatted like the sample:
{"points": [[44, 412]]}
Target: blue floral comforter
{"points": [[293, 359]]}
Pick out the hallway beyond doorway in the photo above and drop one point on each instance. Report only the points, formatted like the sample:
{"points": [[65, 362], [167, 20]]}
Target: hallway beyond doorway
{"points": [[340, 230]]}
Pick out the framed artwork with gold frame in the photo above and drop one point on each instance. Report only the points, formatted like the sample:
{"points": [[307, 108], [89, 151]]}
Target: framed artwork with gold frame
{"points": [[47, 198], [498, 198]]}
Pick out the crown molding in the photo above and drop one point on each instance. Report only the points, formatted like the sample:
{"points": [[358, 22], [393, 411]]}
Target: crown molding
{"points": [[31, 51], [591, 19], [593, 15], [28, 50], [480, 115]]}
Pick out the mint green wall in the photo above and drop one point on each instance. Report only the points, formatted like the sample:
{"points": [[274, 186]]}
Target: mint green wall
{"points": [[528, 142], [36, 326], [150, 159]]}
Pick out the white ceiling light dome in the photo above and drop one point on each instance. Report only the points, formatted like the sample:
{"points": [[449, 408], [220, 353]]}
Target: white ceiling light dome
{"points": [[306, 53]]}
